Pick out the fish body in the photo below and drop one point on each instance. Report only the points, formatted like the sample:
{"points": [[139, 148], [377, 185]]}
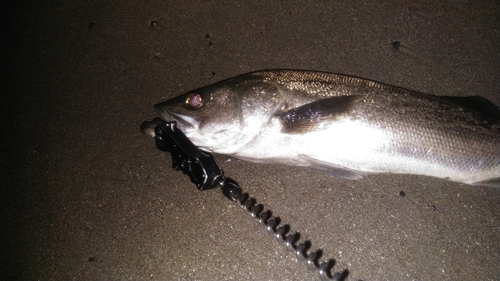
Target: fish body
{"points": [[339, 124]]}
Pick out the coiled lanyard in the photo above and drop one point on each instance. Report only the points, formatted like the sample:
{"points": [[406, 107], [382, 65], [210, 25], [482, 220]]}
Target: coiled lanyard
{"points": [[204, 172]]}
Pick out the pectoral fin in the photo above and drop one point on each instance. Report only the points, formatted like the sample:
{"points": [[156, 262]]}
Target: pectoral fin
{"points": [[309, 116], [331, 169]]}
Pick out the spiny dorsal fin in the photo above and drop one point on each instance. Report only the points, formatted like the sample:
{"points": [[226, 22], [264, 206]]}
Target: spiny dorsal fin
{"points": [[476, 103]]}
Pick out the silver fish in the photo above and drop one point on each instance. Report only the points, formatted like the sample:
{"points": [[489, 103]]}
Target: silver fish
{"points": [[342, 125]]}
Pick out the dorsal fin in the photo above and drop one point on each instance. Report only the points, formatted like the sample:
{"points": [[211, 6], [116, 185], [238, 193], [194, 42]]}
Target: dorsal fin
{"points": [[476, 103]]}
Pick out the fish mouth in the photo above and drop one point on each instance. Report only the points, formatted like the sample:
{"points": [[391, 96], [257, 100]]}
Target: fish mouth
{"points": [[186, 123]]}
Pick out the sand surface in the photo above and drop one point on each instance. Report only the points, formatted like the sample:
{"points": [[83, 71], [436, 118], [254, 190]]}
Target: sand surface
{"points": [[86, 196]]}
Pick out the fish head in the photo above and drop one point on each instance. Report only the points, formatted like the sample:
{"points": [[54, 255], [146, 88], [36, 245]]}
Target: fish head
{"points": [[223, 117]]}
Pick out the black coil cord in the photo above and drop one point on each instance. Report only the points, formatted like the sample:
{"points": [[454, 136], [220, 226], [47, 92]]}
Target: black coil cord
{"points": [[204, 172]]}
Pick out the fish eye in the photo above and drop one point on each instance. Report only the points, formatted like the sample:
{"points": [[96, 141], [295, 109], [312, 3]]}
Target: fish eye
{"points": [[194, 101]]}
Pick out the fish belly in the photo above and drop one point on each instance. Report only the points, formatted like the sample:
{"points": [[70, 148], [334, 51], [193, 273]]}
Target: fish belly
{"points": [[386, 141]]}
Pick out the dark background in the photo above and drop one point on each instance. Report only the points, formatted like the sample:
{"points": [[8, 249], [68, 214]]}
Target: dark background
{"points": [[86, 196]]}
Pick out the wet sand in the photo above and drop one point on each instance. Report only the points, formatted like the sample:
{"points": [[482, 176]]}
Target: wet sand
{"points": [[87, 196]]}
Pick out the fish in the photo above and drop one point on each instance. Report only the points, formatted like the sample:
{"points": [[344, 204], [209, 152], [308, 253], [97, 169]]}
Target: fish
{"points": [[342, 125]]}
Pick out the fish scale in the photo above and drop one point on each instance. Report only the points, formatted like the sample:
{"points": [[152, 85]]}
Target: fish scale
{"points": [[342, 125]]}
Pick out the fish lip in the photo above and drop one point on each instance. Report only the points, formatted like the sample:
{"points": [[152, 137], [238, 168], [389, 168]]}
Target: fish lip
{"points": [[164, 113], [184, 119], [186, 122]]}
